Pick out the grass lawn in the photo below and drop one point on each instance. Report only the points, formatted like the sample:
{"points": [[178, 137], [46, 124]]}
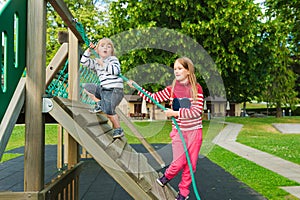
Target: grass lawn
{"points": [[257, 132], [17, 139], [260, 134]]}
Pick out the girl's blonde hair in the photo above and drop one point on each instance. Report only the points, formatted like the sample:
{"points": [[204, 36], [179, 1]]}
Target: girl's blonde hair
{"points": [[107, 41], [188, 64]]}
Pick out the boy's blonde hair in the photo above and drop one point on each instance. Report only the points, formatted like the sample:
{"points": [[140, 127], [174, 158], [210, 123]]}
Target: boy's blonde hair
{"points": [[106, 41]]}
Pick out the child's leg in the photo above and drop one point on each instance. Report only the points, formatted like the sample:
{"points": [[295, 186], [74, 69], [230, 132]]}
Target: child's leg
{"points": [[194, 141], [114, 120], [94, 93], [179, 158], [91, 96], [111, 99]]}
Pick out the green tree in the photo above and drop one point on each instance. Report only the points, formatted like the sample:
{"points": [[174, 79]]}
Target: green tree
{"points": [[280, 88], [226, 29], [87, 14]]}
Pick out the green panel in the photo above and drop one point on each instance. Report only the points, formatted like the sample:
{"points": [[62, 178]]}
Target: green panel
{"points": [[13, 19]]}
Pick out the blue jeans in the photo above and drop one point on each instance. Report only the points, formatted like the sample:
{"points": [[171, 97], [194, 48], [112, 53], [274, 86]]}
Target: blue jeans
{"points": [[110, 98]]}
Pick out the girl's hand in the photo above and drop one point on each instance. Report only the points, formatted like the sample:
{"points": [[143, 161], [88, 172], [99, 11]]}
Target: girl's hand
{"points": [[130, 83], [171, 113]]}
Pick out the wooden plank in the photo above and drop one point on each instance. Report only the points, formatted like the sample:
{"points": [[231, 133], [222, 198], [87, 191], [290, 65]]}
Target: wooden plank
{"points": [[73, 152], [133, 167], [157, 190], [144, 179], [76, 108], [170, 192], [63, 182], [64, 102], [11, 115], [147, 173], [20, 195], [63, 11], [35, 88], [73, 67], [97, 131], [116, 148], [124, 160], [73, 89], [107, 163], [104, 140], [90, 119], [56, 63], [131, 126], [60, 145]]}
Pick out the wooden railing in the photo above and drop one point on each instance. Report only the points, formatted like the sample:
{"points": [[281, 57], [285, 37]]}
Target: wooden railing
{"points": [[65, 186]]}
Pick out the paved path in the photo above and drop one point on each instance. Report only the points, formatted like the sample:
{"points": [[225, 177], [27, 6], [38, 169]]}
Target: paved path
{"points": [[227, 140]]}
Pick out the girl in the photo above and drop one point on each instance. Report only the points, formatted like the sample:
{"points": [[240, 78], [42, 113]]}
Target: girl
{"points": [[109, 93], [186, 98]]}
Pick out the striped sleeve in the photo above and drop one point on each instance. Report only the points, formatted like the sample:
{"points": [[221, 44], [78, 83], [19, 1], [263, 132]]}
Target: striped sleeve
{"points": [[87, 61], [159, 96]]}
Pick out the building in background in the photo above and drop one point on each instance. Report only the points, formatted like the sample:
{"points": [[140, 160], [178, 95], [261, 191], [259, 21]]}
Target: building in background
{"points": [[134, 107]]}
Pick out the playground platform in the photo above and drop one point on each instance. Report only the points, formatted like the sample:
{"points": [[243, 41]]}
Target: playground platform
{"points": [[95, 184]]}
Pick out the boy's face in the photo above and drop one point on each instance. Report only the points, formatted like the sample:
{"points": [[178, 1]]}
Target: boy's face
{"points": [[104, 49]]}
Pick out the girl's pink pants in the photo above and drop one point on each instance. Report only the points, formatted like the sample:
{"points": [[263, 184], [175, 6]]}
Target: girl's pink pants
{"points": [[193, 140]]}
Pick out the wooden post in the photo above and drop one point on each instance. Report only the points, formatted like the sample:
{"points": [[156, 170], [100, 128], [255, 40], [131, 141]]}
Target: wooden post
{"points": [[73, 149], [60, 132], [35, 88]]}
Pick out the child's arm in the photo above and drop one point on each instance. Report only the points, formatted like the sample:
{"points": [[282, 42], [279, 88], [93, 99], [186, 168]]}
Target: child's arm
{"points": [[86, 60], [159, 96], [195, 111]]}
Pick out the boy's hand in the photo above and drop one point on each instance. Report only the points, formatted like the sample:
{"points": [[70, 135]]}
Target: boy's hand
{"points": [[92, 46]]}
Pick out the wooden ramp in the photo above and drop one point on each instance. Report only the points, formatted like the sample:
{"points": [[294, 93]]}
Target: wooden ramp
{"points": [[129, 168]]}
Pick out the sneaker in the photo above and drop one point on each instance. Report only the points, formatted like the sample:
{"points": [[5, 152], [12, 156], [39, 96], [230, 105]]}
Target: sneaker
{"points": [[162, 181], [118, 132], [96, 109], [180, 197]]}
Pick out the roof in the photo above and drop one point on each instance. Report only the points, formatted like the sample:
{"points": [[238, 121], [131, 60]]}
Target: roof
{"points": [[132, 98], [215, 99]]}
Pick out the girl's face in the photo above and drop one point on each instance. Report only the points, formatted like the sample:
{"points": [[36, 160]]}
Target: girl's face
{"points": [[104, 49], [181, 74]]}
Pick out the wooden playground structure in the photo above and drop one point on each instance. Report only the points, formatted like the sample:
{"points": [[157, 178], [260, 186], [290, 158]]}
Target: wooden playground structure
{"points": [[81, 128]]}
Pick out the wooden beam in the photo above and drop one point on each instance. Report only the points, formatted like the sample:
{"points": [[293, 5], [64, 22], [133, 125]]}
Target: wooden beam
{"points": [[11, 115], [20, 195], [73, 70], [141, 138], [60, 145], [35, 87], [73, 82], [57, 61], [62, 9]]}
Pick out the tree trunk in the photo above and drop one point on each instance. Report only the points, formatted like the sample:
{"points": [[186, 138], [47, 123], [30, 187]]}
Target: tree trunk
{"points": [[244, 109], [278, 110]]}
